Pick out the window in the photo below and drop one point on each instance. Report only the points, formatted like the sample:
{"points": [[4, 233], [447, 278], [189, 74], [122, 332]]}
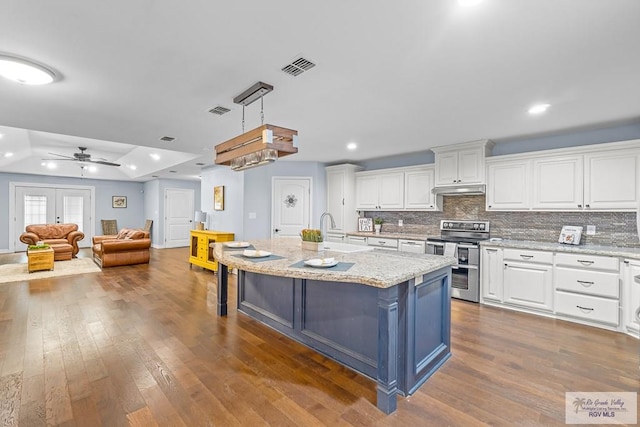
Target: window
{"points": [[35, 210]]}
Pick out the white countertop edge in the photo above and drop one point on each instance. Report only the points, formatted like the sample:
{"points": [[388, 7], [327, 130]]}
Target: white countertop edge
{"points": [[614, 251]]}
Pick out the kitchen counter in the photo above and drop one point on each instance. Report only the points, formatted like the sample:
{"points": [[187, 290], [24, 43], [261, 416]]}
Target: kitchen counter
{"points": [[613, 251], [384, 315], [377, 268], [408, 236]]}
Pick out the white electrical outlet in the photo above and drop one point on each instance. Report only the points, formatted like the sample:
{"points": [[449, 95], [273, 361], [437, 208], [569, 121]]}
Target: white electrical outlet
{"points": [[591, 230], [400, 223]]}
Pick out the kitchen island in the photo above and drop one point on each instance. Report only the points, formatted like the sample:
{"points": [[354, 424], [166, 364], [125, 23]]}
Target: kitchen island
{"points": [[385, 315]]}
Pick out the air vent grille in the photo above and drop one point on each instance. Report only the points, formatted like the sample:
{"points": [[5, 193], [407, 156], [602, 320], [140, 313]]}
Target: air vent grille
{"points": [[298, 66], [219, 110], [167, 139]]}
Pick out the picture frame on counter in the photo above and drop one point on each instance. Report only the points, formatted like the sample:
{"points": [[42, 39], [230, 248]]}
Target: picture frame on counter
{"points": [[365, 224]]}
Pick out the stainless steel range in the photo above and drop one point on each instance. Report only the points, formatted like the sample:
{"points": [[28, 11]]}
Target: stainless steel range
{"points": [[461, 240]]}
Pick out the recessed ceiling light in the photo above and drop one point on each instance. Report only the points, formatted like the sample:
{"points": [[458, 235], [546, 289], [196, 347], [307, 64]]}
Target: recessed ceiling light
{"points": [[154, 156], [51, 165], [539, 108], [1, 135], [467, 3], [25, 71], [132, 167], [352, 146], [8, 154], [92, 169]]}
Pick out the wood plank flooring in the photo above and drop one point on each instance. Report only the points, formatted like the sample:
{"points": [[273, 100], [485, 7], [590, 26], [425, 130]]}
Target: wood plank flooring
{"points": [[142, 346]]}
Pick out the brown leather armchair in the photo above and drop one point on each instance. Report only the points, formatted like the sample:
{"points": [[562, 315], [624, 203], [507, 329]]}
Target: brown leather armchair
{"points": [[63, 238], [128, 247]]}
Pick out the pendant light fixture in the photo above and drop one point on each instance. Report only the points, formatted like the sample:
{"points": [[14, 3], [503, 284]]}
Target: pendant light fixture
{"points": [[25, 71], [259, 146]]}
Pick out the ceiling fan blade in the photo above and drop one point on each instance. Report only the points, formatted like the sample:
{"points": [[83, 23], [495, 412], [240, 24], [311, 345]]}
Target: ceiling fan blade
{"points": [[102, 162], [60, 155]]}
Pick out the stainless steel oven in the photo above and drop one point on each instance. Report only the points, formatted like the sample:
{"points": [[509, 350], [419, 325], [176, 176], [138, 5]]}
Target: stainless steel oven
{"points": [[460, 240]]}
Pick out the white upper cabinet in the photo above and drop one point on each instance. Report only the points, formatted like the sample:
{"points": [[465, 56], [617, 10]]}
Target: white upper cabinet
{"points": [[377, 190], [462, 163], [418, 184], [508, 185], [557, 183], [341, 195], [611, 180]]}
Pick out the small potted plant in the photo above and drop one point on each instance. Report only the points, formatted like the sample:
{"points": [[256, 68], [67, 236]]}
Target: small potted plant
{"points": [[311, 239], [377, 224]]}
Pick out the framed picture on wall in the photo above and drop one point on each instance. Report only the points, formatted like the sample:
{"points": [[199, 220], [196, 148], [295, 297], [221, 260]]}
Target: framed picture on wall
{"points": [[218, 198], [365, 224], [118, 201]]}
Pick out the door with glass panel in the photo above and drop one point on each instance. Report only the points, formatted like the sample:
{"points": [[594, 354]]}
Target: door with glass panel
{"points": [[48, 205]]}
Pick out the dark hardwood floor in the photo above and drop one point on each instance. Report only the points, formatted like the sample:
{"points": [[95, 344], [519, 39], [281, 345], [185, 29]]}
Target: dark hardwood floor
{"points": [[141, 345]]}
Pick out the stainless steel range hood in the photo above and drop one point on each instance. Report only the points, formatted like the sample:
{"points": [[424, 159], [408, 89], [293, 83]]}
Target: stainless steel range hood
{"points": [[460, 190]]}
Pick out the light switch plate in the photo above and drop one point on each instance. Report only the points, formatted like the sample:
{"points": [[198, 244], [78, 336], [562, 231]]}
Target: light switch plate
{"points": [[591, 230], [400, 223]]}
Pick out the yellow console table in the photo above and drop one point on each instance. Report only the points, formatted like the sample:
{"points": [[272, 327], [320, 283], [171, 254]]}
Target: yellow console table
{"points": [[201, 253]]}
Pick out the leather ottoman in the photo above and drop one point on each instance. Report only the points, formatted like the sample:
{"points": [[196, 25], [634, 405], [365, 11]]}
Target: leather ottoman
{"points": [[62, 251]]}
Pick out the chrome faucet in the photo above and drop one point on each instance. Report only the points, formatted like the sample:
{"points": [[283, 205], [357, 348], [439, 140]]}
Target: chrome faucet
{"points": [[333, 222]]}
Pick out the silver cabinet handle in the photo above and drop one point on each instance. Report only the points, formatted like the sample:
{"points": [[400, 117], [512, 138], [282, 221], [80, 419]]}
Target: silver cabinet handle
{"points": [[637, 278], [585, 283], [526, 256], [585, 308], [381, 242], [638, 314], [585, 262]]}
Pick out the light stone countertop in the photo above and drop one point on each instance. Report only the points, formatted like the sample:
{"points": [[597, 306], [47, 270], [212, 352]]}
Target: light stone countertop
{"points": [[612, 251], [377, 268], [408, 236]]}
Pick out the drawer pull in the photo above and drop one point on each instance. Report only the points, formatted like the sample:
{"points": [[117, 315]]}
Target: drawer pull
{"points": [[638, 314], [381, 242], [526, 256], [637, 278], [585, 262], [585, 283], [587, 309]]}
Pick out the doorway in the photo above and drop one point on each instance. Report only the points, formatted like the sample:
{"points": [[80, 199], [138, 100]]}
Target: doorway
{"points": [[290, 206], [44, 204], [179, 214]]}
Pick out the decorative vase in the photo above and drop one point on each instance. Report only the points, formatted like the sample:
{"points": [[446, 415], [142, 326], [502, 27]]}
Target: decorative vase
{"points": [[377, 228], [312, 246]]}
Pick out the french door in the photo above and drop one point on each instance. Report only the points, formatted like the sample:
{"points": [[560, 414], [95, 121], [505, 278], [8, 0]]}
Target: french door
{"points": [[52, 205]]}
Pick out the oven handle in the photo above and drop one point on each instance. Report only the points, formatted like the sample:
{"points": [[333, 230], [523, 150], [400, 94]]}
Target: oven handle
{"points": [[467, 246], [468, 267], [435, 243]]}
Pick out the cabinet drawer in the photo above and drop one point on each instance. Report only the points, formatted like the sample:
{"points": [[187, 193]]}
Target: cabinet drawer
{"points": [[588, 261], [587, 307], [381, 241], [527, 255], [588, 282]]}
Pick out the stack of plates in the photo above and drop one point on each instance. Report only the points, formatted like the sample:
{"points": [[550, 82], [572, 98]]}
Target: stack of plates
{"points": [[255, 254], [321, 262]]}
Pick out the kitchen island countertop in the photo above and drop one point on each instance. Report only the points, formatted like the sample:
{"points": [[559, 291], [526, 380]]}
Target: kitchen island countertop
{"points": [[377, 268]]}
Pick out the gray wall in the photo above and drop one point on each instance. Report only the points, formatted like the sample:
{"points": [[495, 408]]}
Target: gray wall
{"points": [[231, 218]]}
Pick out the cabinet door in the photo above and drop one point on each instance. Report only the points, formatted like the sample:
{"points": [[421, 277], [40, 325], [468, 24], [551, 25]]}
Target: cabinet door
{"points": [[528, 285], [557, 183], [367, 192], [492, 270], [611, 180], [447, 168], [470, 166], [417, 190], [508, 185], [631, 297], [335, 197], [391, 191]]}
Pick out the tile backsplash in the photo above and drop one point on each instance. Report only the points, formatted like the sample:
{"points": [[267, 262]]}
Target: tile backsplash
{"points": [[612, 228]]}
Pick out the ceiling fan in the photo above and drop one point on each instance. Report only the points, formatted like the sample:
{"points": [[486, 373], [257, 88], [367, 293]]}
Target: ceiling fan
{"points": [[83, 157]]}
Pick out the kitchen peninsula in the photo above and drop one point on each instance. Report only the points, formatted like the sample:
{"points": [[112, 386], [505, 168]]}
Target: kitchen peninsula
{"points": [[385, 315]]}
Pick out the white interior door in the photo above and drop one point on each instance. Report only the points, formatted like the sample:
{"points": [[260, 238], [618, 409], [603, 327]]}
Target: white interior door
{"points": [[291, 206], [52, 205], [179, 214]]}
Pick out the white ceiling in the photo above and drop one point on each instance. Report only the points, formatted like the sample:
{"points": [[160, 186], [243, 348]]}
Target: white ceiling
{"points": [[394, 77]]}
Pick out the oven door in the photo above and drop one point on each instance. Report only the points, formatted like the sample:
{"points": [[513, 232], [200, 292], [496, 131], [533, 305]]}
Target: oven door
{"points": [[464, 282], [435, 248]]}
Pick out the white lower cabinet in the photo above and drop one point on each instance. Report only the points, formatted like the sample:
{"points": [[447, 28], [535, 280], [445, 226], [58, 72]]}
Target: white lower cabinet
{"points": [[491, 269], [590, 289], [631, 297], [357, 240], [413, 246], [528, 279]]}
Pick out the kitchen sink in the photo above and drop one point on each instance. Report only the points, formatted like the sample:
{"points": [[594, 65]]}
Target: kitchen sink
{"points": [[345, 248]]}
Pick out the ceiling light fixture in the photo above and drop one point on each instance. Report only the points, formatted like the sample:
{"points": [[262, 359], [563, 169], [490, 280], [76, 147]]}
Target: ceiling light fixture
{"points": [[352, 146], [258, 146], [8, 154], [25, 71], [155, 156], [539, 108]]}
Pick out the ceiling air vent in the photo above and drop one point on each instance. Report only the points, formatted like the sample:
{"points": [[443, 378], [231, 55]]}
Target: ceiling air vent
{"points": [[298, 66], [219, 110], [167, 139]]}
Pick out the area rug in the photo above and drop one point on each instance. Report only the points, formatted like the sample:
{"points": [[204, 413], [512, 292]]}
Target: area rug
{"points": [[19, 272]]}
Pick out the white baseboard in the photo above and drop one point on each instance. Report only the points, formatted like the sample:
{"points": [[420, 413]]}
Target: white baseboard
{"points": [[5, 251]]}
